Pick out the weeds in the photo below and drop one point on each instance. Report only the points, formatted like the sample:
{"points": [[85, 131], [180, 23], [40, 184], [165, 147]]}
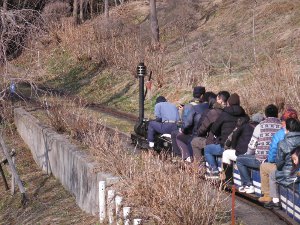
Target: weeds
{"points": [[160, 191]]}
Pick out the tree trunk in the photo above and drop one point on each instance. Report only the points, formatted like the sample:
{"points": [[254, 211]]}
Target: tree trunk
{"points": [[91, 8], [106, 13], [75, 9], [81, 11], [154, 22], [4, 5]]}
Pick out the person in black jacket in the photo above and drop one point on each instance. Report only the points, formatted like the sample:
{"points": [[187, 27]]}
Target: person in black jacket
{"points": [[237, 144], [222, 128], [204, 136]]}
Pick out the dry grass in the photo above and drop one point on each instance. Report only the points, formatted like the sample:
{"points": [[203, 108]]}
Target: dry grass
{"points": [[160, 191], [277, 81]]}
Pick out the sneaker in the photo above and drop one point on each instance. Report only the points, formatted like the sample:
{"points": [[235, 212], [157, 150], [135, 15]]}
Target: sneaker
{"points": [[265, 199], [249, 189], [189, 159], [242, 189], [272, 205], [212, 175], [151, 144]]}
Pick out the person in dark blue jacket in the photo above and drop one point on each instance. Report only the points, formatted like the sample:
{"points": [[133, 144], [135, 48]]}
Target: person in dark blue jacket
{"points": [[196, 107]]}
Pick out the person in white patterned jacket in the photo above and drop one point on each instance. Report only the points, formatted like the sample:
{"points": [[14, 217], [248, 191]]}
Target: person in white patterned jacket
{"points": [[258, 147]]}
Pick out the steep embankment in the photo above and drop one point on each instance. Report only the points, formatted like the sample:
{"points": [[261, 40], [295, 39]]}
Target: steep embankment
{"points": [[247, 47]]}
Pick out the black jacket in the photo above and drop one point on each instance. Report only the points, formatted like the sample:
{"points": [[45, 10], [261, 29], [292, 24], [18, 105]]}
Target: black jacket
{"points": [[207, 121], [226, 122], [241, 136]]}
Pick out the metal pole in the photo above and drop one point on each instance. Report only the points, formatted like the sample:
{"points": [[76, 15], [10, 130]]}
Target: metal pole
{"points": [[233, 205], [13, 178], [141, 72]]}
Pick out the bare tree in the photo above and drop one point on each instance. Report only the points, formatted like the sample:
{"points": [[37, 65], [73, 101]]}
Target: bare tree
{"points": [[154, 21], [81, 11], [75, 9], [4, 5], [253, 29], [91, 8], [106, 9]]}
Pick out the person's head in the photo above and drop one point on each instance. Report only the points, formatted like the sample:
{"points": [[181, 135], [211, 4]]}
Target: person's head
{"points": [[208, 96], [295, 156], [256, 118], [198, 91], [160, 99], [222, 97], [287, 114], [271, 111], [292, 125], [234, 99]]}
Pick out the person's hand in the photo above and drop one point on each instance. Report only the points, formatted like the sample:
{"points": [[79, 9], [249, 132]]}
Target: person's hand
{"points": [[180, 107]]}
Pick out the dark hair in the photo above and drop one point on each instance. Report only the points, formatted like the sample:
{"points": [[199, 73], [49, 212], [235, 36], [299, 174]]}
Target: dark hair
{"points": [[160, 99], [224, 95], [295, 167], [271, 111], [292, 125], [208, 96]]}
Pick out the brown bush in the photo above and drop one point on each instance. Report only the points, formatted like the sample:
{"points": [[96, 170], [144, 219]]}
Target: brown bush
{"points": [[160, 192], [54, 11]]}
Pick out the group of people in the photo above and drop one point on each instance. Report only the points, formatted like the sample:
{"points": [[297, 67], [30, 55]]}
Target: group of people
{"points": [[216, 125]]}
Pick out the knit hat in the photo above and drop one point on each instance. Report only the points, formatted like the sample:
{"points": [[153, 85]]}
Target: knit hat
{"points": [[160, 99], [198, 91], [234, 99], [257, 117], [289, 113]]}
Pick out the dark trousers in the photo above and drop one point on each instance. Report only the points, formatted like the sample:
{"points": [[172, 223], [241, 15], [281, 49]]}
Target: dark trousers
{"points": [[181, 144], [161, 128]]}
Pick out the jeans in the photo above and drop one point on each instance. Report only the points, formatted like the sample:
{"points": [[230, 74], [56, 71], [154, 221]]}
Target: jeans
{"points": [[273, 186], [243, 163], [210, 151], [155, 127]]}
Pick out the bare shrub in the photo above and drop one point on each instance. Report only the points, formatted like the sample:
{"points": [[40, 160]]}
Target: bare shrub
{"points": [[160, 192], [54, 11], [271, 83], [16, 27]]}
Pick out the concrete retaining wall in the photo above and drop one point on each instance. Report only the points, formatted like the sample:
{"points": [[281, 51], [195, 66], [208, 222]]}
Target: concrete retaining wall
{"points": [[57, 156]]}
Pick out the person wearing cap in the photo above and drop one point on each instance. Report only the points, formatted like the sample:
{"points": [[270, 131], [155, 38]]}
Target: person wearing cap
{"points": [[258, 147], [269, 165], [190, 117], [167, 116], [221, 129]]}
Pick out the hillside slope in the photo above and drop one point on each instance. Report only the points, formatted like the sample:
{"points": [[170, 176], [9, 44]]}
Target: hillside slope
{"points": [[236, 45]]}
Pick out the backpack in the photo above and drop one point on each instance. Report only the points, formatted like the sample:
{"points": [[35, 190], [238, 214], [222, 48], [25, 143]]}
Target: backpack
{"points": [[241, 121]]}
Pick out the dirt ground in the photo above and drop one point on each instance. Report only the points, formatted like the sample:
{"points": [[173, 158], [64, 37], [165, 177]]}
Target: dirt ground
{"points": [[49, 202]]}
